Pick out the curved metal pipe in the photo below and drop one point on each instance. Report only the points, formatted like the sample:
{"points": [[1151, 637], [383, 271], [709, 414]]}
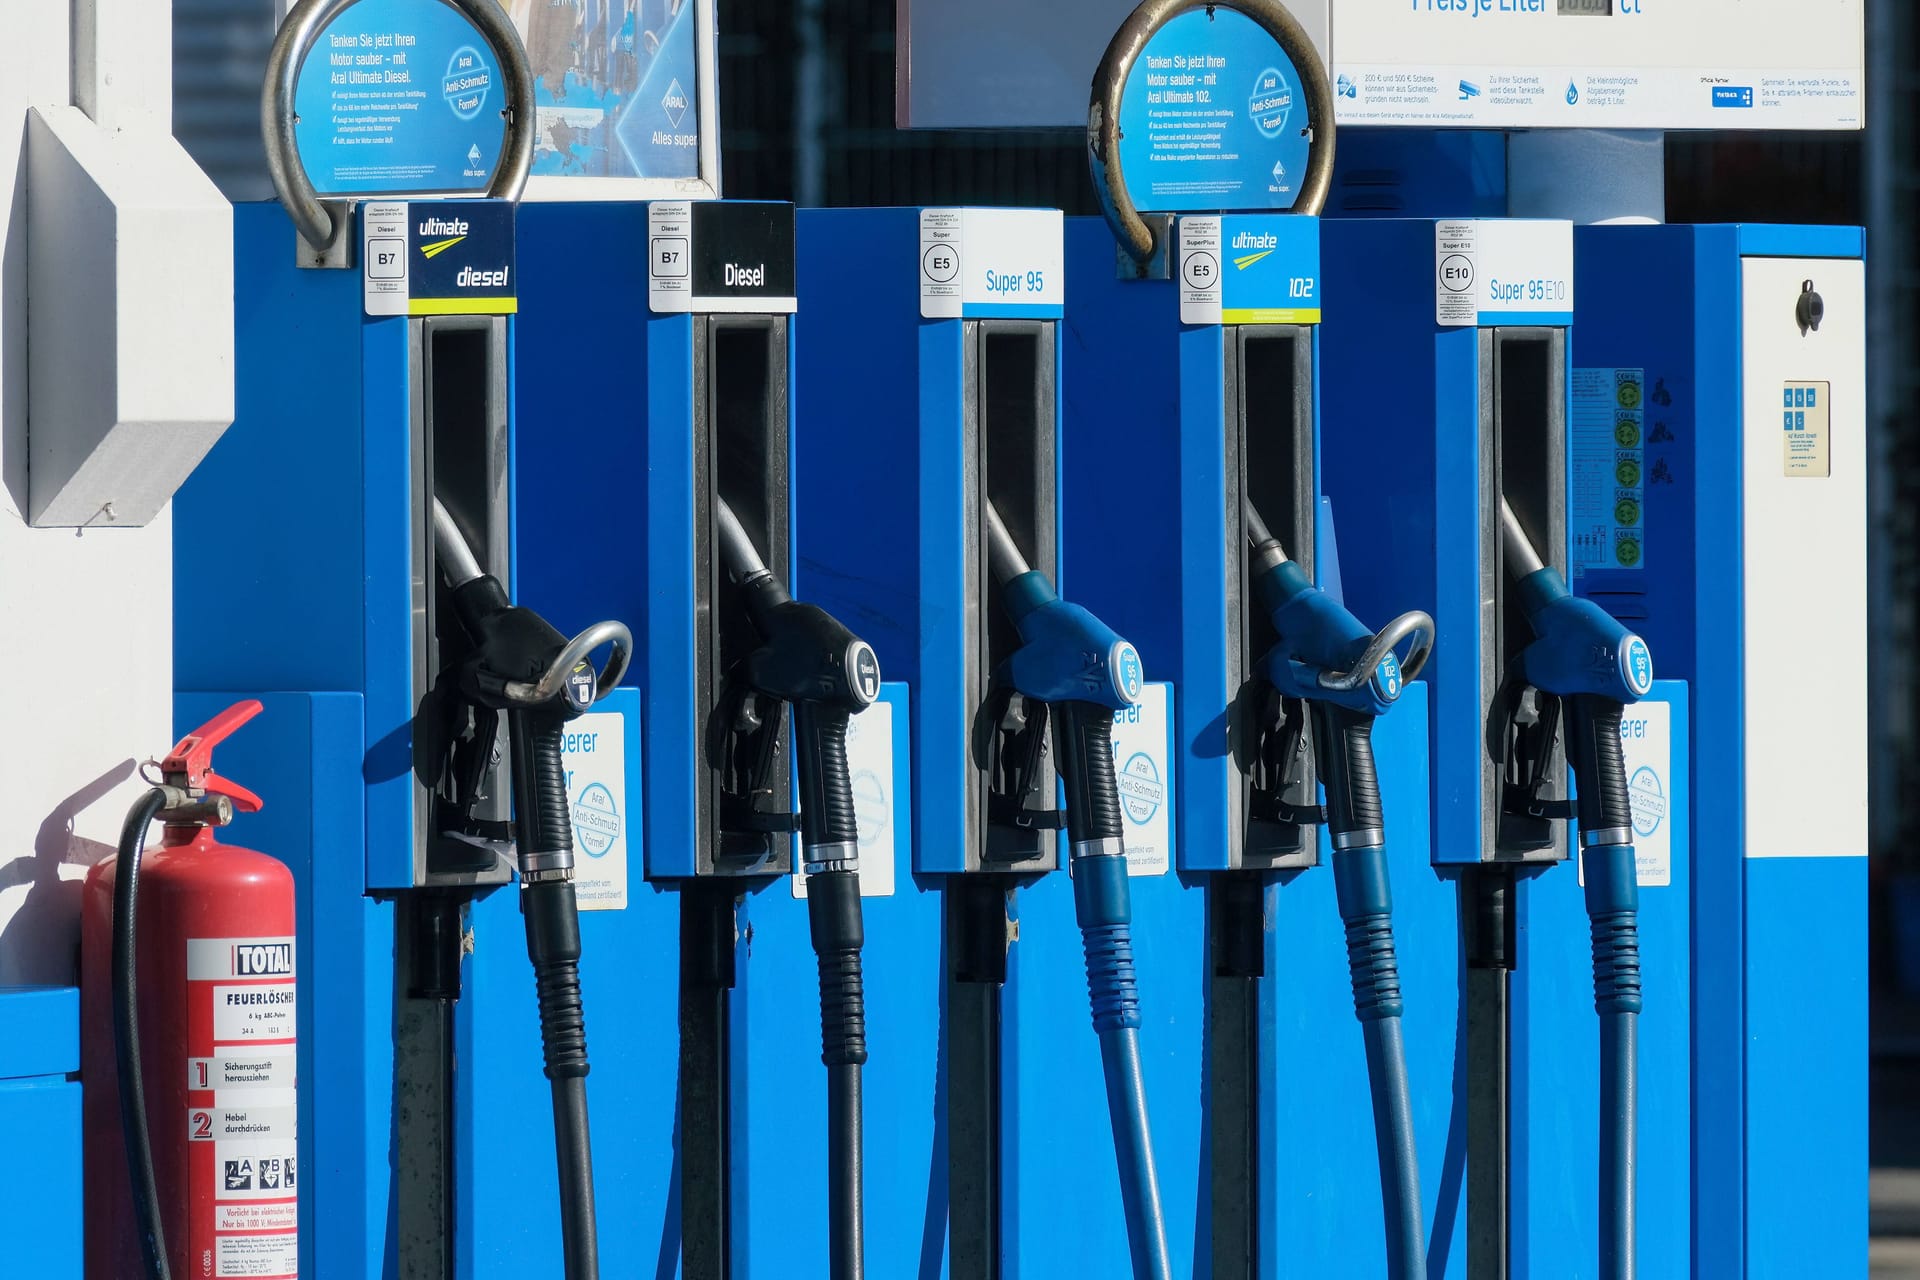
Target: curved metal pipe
{"points": [[1110, 83], [550, 683], [1004, 560], [312, 218], [1519, 551], [1412, 623], [457, 561]]}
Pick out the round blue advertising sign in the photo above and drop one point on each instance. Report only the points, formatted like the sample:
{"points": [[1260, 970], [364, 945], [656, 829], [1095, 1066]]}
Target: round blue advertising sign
{"points": [[399, 97], [1213, 117]]}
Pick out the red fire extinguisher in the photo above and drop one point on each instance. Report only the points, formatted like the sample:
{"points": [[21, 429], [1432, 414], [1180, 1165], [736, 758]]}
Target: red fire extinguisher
{"points": [[187, 1038]]}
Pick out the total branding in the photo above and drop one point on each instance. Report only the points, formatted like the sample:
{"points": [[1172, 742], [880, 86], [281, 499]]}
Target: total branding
{"points": [[984, 263], [1496, 270]]}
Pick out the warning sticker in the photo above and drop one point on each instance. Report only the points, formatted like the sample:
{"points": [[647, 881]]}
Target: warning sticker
{"points": [[1607, 470], [265, 1070]]}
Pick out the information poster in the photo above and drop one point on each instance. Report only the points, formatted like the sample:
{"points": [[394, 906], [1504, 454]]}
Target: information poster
{"points": [[616, 85], [1213, 117], [1607, 485], [399, 96]]}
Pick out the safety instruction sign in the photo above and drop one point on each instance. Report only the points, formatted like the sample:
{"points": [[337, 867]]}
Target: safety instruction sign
{"points": [[1249, 269], [399, 97], [600, 752], [877, 770], [1490, 271], [438, 258], [242, 1116], [1806, 411], [1607, 469], [986, 263], [1213, 116], [1143, 770]]}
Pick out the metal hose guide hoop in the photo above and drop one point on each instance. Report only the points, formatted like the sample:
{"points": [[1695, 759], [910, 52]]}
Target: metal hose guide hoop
{"points": [[312, 217], [1109, 87]]}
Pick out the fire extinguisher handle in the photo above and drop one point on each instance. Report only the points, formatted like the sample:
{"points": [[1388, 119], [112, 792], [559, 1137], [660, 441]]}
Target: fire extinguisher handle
{"points": [[190, 763], [243, 800]]}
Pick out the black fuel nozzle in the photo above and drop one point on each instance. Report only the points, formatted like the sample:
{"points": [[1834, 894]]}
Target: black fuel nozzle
{"points": [[522, 667]]}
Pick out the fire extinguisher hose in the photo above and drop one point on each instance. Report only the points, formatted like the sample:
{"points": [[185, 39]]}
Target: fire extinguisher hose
{"points": [[553, 945], [126, 1033]]}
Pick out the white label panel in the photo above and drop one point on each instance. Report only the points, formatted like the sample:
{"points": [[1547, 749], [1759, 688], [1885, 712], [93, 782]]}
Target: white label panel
{"points": [[1142, 767], [1610, 64], [1646, 740], [258, 1011], [1200, 259], [992, 263], [1805, 572], [594, 753], [875, 784], [383, 258], [1503, 271]]}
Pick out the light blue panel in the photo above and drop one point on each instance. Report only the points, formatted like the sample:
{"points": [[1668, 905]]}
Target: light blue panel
{"points": [[42, 1031], [41, 1204], [1806, 1015], [42, 1208], [1321, 1213], [1769, 240], [302, 756], [1556, 1055], [786, 1175]]}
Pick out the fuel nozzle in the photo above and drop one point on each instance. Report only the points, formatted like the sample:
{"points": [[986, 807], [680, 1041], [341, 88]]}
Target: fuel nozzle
{"points": [[1325, 654], [1066, 654], [1578, 648]]}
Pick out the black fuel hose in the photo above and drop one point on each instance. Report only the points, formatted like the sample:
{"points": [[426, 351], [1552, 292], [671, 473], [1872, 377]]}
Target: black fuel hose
{"points": [[830, 838], [126, 1033], [553, 945]]}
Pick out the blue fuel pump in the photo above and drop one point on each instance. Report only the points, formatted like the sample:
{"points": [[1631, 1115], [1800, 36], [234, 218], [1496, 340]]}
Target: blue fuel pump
{"points": [[1082, 672], [1349, 676], [1585, 657]]}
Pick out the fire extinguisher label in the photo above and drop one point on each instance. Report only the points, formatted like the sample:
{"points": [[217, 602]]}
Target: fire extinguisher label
{"points": [[243, 1115]]}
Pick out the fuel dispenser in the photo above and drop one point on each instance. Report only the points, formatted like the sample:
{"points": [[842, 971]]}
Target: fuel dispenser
{"points": [[1465, 451], [930, 427], [361, 510], [766, 719], [1727, 364], [1193, 407]]}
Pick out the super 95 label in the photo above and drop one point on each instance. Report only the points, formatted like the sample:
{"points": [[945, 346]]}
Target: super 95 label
{"points": [[992, 262]]}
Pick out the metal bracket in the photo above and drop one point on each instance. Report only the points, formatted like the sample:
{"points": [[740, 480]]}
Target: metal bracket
{"points": [[338, 253], [1158, 264]]}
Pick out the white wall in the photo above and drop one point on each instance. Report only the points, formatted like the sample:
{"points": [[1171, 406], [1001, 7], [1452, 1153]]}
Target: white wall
{"points": [[86, 630]]}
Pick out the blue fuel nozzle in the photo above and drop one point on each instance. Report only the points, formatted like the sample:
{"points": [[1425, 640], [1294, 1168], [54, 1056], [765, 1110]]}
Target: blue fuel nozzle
{"points": [[1067, 654], [1325, 654], [1578, 647]]}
